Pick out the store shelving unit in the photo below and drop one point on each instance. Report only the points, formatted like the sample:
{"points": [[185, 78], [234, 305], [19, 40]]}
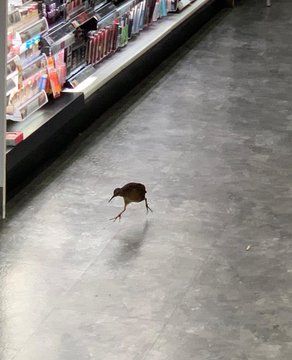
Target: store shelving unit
{"points": [[107, 70], [44, 131], [135, 49]]}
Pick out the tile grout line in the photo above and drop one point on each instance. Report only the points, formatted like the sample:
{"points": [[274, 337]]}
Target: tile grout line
{"points": [[144, 357], [56, 307]]}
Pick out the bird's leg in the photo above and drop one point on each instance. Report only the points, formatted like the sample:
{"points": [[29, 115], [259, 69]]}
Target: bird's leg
{"points": [[147, 206], [120, 214]]}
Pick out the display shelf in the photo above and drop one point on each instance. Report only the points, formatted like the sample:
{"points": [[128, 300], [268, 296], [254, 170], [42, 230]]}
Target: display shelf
{"points": [[19, 17], [97, 4], [59, 39], [112, 66], [24, 88], [12, 67], [11, 85], [12, 75], [29, 107], [40, 118], [124, 7], [20, 2], [35, 66], [135, 49], [72, 12], [53, 11], [30, 34]]}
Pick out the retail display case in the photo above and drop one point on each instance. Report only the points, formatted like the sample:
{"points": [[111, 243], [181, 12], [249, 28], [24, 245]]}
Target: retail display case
{"points": [[75, 36]]}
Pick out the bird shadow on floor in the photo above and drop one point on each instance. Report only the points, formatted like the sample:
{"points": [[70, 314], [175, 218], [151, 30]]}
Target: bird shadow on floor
{"points": [[131, 242]]}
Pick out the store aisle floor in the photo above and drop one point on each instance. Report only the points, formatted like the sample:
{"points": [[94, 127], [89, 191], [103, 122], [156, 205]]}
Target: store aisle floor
{"points": [[209, 133]]}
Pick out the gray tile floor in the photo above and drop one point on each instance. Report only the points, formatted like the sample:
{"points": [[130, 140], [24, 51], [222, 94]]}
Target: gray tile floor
{"points": [[209, 133]]}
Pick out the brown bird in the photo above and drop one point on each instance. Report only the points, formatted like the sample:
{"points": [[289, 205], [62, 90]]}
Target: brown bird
{"points": [[132, 192]]}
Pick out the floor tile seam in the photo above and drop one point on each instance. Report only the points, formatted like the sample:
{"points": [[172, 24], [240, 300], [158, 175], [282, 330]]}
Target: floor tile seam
{"points": [[10, 348], [88, 266], [151, 346], [55, 307], [156, 340], [47, 316], [183, 296], [83, 272], [35, 262], [26, 192], [66, 267], [32, 334]]}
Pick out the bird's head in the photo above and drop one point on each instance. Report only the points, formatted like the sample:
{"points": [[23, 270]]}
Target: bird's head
{"points": [[117, 192]]}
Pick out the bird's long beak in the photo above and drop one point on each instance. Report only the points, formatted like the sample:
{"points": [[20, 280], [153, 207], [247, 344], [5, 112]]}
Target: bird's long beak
{"points": [[111, 198]]}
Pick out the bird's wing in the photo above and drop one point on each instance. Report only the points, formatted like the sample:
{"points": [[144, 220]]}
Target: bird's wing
{"points": [[133, 185], [134, 192]]}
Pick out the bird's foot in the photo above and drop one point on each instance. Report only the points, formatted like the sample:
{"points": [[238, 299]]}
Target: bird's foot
{"points": [[117, 217], [148, 208]]}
